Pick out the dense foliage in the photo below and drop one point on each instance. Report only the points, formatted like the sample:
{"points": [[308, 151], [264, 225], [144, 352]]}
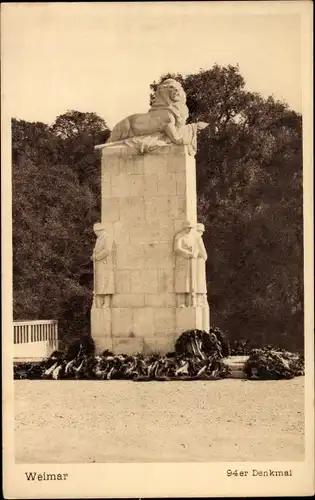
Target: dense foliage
{"points": [[56, 200], [249, 176], [250, 198]]}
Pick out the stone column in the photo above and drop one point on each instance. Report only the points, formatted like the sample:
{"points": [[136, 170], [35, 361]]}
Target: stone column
{"points": [[146, 200]]}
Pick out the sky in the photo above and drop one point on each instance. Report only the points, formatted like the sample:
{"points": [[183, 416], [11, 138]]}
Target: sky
{"points": [[102, 57]]}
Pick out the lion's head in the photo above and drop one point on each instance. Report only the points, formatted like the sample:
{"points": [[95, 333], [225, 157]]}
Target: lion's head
{"points": [[171, 95]]}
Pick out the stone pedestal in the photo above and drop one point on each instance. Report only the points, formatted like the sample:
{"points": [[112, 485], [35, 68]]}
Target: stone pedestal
{"points": [[146, 199]]}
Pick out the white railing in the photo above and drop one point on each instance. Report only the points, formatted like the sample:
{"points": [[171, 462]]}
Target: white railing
{"points": [[35, 338]]}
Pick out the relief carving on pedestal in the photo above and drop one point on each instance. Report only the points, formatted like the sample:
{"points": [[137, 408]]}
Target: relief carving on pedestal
{"points": [[190, 267], [103, 268], [201, 258]]}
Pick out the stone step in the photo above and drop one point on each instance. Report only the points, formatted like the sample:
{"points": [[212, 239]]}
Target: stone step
{"points": [[237, 359], [236, 365], [237, 374]]}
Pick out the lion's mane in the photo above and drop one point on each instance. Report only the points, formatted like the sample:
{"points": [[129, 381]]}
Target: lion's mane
{"points": [[163, 100]]}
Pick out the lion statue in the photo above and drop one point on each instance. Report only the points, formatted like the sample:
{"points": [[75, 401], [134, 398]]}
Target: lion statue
{"points": [[165, 121]]}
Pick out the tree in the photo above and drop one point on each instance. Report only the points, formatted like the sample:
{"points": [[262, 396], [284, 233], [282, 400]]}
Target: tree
{"points": [[249, 185], [53, 215], [80, 132]]}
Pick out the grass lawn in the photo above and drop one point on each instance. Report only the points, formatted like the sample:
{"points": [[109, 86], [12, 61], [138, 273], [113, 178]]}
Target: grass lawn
{"points": [[122, 421]]}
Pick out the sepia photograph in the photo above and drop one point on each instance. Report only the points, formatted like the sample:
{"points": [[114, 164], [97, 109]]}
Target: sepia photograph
{"points": [[157, 247]]}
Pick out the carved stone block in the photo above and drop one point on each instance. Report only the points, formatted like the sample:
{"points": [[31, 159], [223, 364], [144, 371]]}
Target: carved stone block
{"points": [[166, 279], [106, 187], [110, 210], [131, 209], [144, 281], [120, 187], [188, 318], [128, 345], [101, 322], [158, 163], [164, 321], [167, 184], [131, 163], [158, 255], [150, 185], [122, 321], [103, 344], [143, 321], [162, 345], [122, 281], [177, 208], [159, 232], [160, 300], [130, 257], [136, 185], [128, 300], [121, 232], [156, 208]]}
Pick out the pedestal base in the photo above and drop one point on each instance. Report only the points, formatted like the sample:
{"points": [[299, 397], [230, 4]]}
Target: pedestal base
{"points": [[133, 330], [128, 345], [101, 320], [192, 318], [102, 344]]}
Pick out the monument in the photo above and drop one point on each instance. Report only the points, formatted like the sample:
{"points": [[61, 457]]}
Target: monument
{"points": [[149, 257]]}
